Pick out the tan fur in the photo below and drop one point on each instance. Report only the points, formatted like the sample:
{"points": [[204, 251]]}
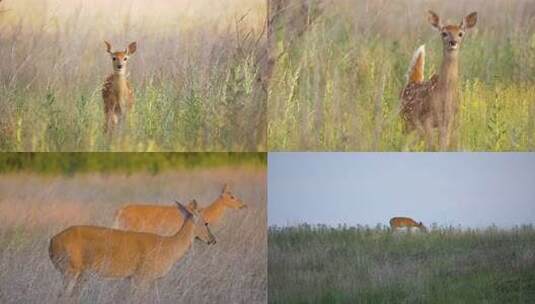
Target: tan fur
{"points": [[405, 222], [110, 253], [426, 105], [162, 219], [117, 92]]}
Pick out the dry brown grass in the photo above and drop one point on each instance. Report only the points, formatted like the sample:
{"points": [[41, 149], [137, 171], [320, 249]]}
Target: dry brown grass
{"points": [[34, 208]]}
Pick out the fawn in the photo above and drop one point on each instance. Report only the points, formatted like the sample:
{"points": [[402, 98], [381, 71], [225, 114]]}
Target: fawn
{"points": [[117, 92], [430, 104]]}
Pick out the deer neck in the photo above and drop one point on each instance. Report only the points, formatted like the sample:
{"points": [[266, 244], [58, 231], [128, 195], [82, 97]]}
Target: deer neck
{"points": [[449, 72], [182, 240], [120, 83], [214, 211]]}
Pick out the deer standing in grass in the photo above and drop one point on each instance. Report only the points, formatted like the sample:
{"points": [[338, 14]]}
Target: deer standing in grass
{"points": [[163, 219], [109, 253], [426, 105], [405, 222], [117, 92]]}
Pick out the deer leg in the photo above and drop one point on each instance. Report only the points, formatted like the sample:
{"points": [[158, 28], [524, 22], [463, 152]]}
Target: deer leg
{"points": [[109, 126], [78, 286], [139, 286], [445, 133], [449, 131], [72, 284], [428, 133]]}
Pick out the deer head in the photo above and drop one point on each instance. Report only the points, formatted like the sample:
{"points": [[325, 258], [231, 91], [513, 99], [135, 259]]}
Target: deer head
{"points": [[230, 200], [201, 230], [452, 34], [422, 227], [120, 58]]}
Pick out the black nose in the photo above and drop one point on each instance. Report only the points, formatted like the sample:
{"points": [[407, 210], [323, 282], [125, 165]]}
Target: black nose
{"points": [[119, 66], [453, 43]]}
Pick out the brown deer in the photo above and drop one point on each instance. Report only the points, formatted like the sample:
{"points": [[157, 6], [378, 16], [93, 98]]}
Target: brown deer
{"points": [[426, 105], [405, 222], [109, 253], [163, 219], [117, 93]]}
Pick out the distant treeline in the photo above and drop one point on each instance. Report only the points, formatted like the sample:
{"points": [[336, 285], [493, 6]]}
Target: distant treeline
{"points": [[70, 163]]}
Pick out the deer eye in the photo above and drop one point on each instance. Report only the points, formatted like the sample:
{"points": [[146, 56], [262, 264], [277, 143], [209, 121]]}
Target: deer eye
{"points": [[114, 58], [461, 34], [125, 58], [444, 34], [206, 224]]}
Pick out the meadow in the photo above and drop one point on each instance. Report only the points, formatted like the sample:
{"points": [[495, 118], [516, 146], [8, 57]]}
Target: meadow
{"points": [[337, 88], [34, 207], [320, 264], [193, 75]]}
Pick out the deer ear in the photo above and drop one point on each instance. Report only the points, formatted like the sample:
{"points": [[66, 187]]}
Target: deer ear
{"points": [[193, 205], [469, 21], [132, 47], [108, 46], [185, 212], [226, 188], [434, 20]]}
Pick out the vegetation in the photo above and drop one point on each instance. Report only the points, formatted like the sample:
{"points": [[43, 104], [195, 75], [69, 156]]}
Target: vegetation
{"points": [[70, 163], [318, 264], [193, 75], [337, 88], [33, 208]]}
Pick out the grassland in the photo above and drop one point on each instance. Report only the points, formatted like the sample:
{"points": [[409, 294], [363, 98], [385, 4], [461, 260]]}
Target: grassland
{"points": [[70, 163], [35, 207], [319, 264], [337, 88], [192, 75]]}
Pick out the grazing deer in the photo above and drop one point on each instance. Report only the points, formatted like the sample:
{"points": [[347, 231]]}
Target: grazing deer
{"points": [[430, 104], [405, 222], [109, 253], [162, 219], [117, 92]]}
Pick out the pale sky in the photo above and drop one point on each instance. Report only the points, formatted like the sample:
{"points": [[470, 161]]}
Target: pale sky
{"points": [[467, 189]]}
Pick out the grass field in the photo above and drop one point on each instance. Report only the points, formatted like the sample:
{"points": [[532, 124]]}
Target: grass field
{"points": [[192, 74], [318, 264], [338, 87], [33, 208]]}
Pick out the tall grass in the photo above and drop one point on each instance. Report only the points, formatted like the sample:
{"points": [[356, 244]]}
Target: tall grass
{"points": [[112, 162], [33, 208], [317, 264], [338, 87], [192, 74]]}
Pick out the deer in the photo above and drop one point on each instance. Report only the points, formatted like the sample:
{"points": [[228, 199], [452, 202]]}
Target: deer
{"points": [[433, 104], [162, 219], [406, 222], [117, 92], [115, 254]]}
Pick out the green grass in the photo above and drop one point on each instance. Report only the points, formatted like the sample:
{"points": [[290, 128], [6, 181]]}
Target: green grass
{"points": [[318, 264], [338, 88], [71, 163]]}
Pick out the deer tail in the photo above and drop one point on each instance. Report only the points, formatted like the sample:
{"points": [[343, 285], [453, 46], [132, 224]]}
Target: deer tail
{"points": [[416, 68]]}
